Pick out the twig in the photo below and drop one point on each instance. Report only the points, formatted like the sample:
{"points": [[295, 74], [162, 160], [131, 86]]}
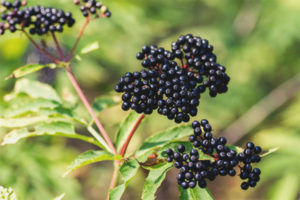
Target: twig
{"points": [[113, 181], [262, 109], [79, 37], [137, 123], [89, 108], [58, 46], [40, 48]]}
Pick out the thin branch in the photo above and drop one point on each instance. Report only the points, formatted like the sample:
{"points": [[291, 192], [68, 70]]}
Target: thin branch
{"points": [[114, 178], [40, 48], [89, 108], [262, 109], [58, 46], [128, 139], [79, 37]]}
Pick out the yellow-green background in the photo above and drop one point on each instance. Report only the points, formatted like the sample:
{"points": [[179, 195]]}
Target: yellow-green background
{"points": [[258, 42]]}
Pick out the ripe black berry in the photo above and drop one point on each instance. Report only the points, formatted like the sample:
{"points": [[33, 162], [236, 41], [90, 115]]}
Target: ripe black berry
{"points": [[38, 19], [92, 7], [225, 161], [183, 74]]}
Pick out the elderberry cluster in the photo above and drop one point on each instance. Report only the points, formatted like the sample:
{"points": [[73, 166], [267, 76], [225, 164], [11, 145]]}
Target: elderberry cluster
{"points": [[40, 20], [248, 156], [93, 7], [219, 159], [197, 55], [176, 90]]}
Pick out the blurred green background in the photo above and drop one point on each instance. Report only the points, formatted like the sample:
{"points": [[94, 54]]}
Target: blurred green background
{"points": [[258, 42]]}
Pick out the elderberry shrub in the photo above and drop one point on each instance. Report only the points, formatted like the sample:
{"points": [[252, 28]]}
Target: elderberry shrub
{"points": [[38, 19], [194, 171], [92, 7], [176, 91]]}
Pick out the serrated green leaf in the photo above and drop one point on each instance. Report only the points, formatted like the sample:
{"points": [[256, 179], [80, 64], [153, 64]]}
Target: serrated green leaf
{"points": [[36, 89], [29, 106], [55, 127], [194, 194], [154, 179], [163, 138], [128, 170], [125, 128], [28, 69], [270, 151], [102, 103], [90, 47], [7, 194], [22, 121], [59, 128], [90, 157]]}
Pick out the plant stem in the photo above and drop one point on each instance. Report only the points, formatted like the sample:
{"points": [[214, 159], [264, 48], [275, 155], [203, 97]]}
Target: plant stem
{"points": [[89, 108], [137, 123], [79, 37], [58, 46], [40, 48], [114, 178]]}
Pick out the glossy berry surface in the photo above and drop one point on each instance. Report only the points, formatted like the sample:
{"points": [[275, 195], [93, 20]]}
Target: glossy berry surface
{"points": [[178, 82], [210, 157], [92, 8], [38, 20]]}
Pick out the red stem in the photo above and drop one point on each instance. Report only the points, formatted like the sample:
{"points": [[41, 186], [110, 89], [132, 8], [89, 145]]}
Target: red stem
{"points": [[89, 108], [79, 37], [58, 46], [40, 48], [137, 123]]}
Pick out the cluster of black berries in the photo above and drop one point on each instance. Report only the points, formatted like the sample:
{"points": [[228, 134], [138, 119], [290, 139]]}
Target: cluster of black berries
{"points": [[248, 156], [224, 161], [140, 91], [176, 89], [197, 55], [40, 20], [92, 7]]}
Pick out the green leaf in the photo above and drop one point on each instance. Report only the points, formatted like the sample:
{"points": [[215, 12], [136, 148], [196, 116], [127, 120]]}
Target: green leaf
{"points": [[29, 106], [21, 122], [270, 151], [99, 139], [194, 194], [28, 69], [154, 179], [128, 170], [163, 138], [90, 47], [36, 89], [117, 192], [7, 194], [90, 157], [125, 128], [59, 128], [104, 102]]}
